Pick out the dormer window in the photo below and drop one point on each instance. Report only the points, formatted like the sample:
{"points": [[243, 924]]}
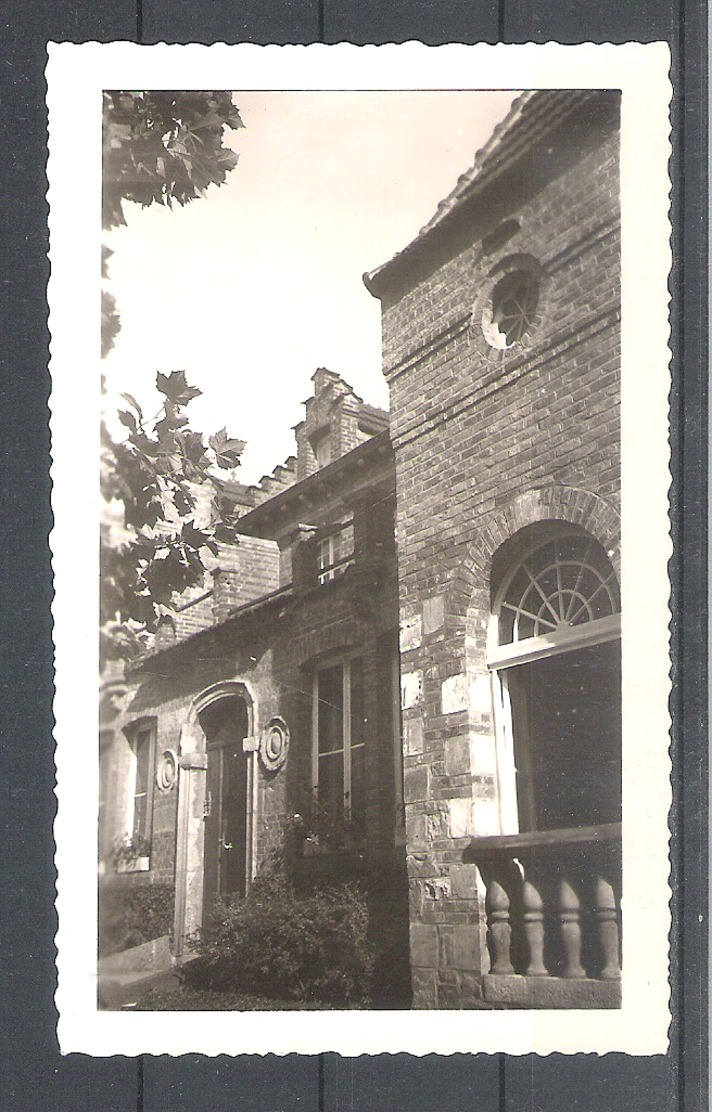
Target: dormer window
{"points": [[335, 553]]}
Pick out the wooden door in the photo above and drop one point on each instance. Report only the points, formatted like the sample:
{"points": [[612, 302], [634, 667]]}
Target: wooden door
{"points": [[225, 724]]}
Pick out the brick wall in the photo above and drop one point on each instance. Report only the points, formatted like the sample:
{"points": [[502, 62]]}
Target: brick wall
{"points": [[247, 571], [474, 429]]}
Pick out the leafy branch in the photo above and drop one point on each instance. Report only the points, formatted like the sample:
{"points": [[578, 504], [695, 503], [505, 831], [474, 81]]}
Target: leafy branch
{"points": [[160, 147], [175, 509]]}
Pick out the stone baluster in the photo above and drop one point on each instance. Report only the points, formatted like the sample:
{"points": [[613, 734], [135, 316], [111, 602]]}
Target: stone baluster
{"points": [[500, 930], [534, 930], [607, 921], [570, 923]]}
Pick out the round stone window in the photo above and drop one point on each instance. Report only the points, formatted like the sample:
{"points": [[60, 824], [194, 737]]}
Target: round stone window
{"points": [[510, 313]]}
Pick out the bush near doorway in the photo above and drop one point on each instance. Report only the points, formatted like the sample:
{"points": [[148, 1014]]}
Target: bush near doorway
{"points": [[306, 946]]}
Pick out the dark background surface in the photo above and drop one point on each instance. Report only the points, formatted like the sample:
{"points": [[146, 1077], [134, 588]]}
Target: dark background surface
{"points": [[33, 1075]]}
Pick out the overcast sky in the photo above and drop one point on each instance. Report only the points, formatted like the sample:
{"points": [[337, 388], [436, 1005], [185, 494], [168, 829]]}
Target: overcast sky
{"points": [[253, 287]]}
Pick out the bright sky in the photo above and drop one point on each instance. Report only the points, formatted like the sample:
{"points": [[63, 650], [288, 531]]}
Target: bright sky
{"points": [[253, 287]]}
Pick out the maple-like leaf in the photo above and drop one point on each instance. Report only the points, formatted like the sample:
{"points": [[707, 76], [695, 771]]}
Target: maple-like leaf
{"points": [[193, 537], [227, 449], [175, 387], [132, 401]]}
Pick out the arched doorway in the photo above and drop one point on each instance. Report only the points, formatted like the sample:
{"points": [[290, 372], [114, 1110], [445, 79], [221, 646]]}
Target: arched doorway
{"points": [[216, 804], [225, 723]]}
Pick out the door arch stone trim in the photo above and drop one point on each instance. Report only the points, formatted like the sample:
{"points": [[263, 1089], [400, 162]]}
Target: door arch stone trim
{"points": [[190, 827]]}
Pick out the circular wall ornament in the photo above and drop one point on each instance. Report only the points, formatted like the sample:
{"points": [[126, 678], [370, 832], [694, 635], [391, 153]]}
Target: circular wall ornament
{"points": [[511, 311], [511, 303], [274, 744], [167, 770]]}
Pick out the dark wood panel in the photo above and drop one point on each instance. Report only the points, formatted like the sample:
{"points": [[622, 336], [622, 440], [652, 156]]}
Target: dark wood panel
{"points": [[403, 1083], [258, 21], [572, 21], [256, 1084], [430, 21]]}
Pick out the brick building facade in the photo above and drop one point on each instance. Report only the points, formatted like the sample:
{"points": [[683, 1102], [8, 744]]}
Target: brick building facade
{"points": [[472, 549], [502, 353]]}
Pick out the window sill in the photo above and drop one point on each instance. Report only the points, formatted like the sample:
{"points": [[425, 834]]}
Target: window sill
{"points": [[140, 865]]}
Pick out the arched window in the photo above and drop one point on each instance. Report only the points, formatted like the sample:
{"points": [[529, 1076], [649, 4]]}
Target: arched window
{"points": [[555, 654]]}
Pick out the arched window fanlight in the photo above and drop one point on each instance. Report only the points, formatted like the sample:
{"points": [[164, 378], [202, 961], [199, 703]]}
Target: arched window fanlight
{"points": [[565, 583]]}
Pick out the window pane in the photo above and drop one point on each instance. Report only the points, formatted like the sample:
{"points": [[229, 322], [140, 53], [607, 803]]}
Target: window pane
{"points": [[140, 816], [325, 554], [142, 784], [358, 720], [334, 553], [357, 802], [347, 542], [331, 784], [143, 752], [567, 736], [331, 709]]}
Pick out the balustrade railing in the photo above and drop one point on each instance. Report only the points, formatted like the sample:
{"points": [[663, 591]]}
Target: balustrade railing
{"points": [[553, 913]]}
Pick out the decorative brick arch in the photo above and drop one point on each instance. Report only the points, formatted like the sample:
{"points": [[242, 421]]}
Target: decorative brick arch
{"points": [[470, 581]]}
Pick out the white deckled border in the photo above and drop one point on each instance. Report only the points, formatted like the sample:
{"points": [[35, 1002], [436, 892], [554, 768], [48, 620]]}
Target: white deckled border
{"points": [[76, 76]]}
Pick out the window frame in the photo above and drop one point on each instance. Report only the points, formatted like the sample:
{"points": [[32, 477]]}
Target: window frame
{"points": [[146, 727], [523, 319], [334, 567], [501, 659], [345, 663]]}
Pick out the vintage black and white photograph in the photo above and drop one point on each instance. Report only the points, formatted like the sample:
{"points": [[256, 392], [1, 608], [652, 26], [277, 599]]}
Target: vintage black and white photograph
{"points": [[374, 722]]}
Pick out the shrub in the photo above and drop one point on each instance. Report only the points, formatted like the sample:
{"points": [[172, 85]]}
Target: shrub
{"points": [[303, 946], [129, 916]]}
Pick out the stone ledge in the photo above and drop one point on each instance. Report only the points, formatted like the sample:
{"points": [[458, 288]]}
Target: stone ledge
{"points": [[516, 991], [150, 957]]}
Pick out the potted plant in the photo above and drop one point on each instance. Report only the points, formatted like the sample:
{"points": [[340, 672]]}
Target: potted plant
{"points": [[131, 854]]}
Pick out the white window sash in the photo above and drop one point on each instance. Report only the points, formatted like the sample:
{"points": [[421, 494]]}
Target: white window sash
{"points": [[347, 747], [563, 640], [332, 557], [150, 748]]}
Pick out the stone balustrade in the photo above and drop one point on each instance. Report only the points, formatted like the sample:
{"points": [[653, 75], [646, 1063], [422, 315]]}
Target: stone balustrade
{"points": [[553, 916]]}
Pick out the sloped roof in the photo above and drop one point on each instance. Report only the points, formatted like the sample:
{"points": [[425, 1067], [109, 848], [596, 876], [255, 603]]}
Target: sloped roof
{"points": [[373, 419], [255, 608], [531, 117]]}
